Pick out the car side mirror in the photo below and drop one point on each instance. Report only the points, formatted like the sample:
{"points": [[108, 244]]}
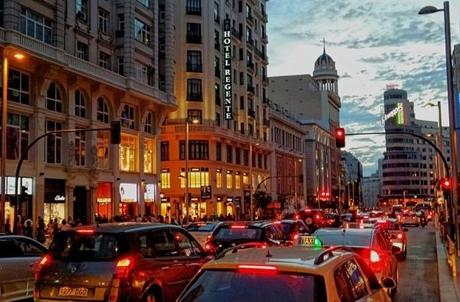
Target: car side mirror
{"points": [[388, 282], [395, 249], [406, 230]]}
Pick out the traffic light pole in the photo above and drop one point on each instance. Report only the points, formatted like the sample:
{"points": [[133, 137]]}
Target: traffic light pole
{"points": [[26, 151]]}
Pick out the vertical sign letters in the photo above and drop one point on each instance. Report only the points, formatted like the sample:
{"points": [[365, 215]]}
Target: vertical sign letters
{"points": [[227, 82]]}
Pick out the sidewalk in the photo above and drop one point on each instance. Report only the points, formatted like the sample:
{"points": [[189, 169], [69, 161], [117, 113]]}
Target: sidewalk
{"points": [[449, 287]]}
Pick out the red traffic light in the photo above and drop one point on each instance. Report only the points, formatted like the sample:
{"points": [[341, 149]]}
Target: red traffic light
{"points": [[340, 137], [446, 184]]}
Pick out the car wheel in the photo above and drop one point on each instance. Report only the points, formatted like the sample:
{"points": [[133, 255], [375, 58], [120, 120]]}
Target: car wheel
{"points": [[394, 290]]}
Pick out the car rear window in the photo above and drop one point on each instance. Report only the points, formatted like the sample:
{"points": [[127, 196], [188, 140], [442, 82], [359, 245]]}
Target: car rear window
{"points": [[346, 238], [87, 247], [209, 227], [223, 286], [228, 234]]}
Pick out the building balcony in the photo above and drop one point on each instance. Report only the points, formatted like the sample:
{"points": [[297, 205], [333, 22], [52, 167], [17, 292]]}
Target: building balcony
{"points": [[250, 66], [217, 19], [236, 33], [193, 39], [194, 67], [251, 89], [252, 113], [266, 122], [194, 11], [198, 97], [250, 18], [84, 68], [260, 54], [217, 46], [250, 42]]}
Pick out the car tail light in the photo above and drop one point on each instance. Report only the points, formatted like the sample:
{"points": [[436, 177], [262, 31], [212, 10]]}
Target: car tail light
{"points": [[297, 217], [398, 216], [400, 236], [295, 237], [257, 269], [85, 231], [238, 227], [124, 267], [374, 257], [209, 237], [45, 261]]}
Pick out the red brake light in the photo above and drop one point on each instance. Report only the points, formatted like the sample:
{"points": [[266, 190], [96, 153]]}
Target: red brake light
{"points": [[124, 267], [317, 216], [400, 236], [277, 222], [260, 269], [238, 227], [209, 237], [46, 260], [296, 217], [307, 210], [85, 231], [374, 257]]}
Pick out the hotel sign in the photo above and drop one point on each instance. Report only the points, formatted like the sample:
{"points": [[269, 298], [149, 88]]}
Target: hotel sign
{"points": [[227, 81]]}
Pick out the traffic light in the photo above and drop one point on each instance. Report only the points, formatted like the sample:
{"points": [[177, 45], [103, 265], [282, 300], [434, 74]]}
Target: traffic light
{"points": [[115, 131], [446, 184], [340, 137]]}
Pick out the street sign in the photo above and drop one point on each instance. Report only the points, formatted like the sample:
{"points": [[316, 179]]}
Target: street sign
{"points": [[206, 192]]}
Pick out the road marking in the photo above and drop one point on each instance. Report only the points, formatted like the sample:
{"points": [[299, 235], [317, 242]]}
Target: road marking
{"points": [[415, 257]]}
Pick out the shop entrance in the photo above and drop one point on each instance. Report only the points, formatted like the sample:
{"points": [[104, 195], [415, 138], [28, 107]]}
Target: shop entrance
{"points": [[80, 205]]}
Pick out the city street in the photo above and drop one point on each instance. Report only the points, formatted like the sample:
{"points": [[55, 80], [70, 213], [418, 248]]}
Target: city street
{"points": [[418, 274]]}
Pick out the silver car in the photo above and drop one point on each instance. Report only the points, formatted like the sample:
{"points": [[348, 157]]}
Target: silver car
{"points": [[18, 255]]}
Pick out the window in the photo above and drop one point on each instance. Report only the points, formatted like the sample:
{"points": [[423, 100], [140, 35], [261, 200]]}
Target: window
{"points": [[237, 181], [229, 180], [194, 33], [193, 7], [144, 73], [81, 9], [217, 94], [102, 146], [194, 115], [218, 151], [165, 179], [121, 22], [194, 61], [121, 65], [17, 135], [229, 154], [241, 102], [144, 2], [198, 149], [245, 179], [194, 90], [217, 119], [218, 178], [164, 151], [216, 40], [103, 21], [148, 123], [53, 98], [163, 244], [80, 148], [102, 114], [29, 248], [128, 153], [80, 108], [350, 282], [237, 156], [18, 87], [216, 12], [36, 26], [82, 51], [217, 67], [197, 177], [141, 31], [53, 143], [127, 116], [148, 155], [188, 247], [246, 157], [104, 60]]}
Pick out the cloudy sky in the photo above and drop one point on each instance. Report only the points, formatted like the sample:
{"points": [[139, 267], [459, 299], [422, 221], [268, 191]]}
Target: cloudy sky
{"points": [[374, 43]]}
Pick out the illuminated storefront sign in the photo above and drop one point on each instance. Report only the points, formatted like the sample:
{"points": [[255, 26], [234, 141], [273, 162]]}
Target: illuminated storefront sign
{"points": [[128, 192], [227, 81], [104, 192], [397, 112], [149, 194]]}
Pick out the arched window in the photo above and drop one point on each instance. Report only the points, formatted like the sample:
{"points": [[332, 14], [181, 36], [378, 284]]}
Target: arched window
{"points": [[148, 124], [102, 111], [54, 98], [80, 104]]}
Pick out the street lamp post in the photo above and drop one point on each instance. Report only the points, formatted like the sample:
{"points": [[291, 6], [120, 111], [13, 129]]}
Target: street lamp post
{"points": [[450, 97], [187, 133]]}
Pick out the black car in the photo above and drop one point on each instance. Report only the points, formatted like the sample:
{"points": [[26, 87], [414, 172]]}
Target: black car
{"points": [[293, 228], [236, 233]]}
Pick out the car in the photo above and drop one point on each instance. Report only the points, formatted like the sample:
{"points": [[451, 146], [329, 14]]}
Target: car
{"points": [[235, 233], [398, 236], [119, 262], [203, 231], [371, 244], [313, 218], [287, 274], [409, 218], [292, 228], [18, 256]]}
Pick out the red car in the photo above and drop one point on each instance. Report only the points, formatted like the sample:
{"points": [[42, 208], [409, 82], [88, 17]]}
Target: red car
{"points": [[398, 236]]}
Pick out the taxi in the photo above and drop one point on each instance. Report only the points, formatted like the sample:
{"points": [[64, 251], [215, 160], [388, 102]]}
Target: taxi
{"points": [[306, 272]]}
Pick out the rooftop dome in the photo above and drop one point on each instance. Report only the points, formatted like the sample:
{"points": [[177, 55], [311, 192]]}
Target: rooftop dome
{"points": [[324, 59]]}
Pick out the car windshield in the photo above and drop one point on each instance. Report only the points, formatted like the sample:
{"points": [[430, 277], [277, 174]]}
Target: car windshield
{"points": [[344, 238], [388, 225], [230, 234], [208, 227], [232, 286], [86, 247]]}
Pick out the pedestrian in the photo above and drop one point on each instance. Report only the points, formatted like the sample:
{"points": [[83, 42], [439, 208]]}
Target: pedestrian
{"points": [[41, 230], [28, 228]]}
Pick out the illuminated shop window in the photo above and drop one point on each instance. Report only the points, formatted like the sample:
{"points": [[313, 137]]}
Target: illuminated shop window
{"points": [[237, 181], [245, 179], [218, 178], [229, 180], [148, 155], [197, 177], [80, 148], [165, 179], [128, 152]]}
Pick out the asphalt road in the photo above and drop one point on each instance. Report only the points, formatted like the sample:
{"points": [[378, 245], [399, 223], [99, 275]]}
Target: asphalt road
{"points": [[418, 274]]}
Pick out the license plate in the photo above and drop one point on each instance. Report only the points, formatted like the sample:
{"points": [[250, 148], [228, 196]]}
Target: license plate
{"points": [[74, 292]]}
